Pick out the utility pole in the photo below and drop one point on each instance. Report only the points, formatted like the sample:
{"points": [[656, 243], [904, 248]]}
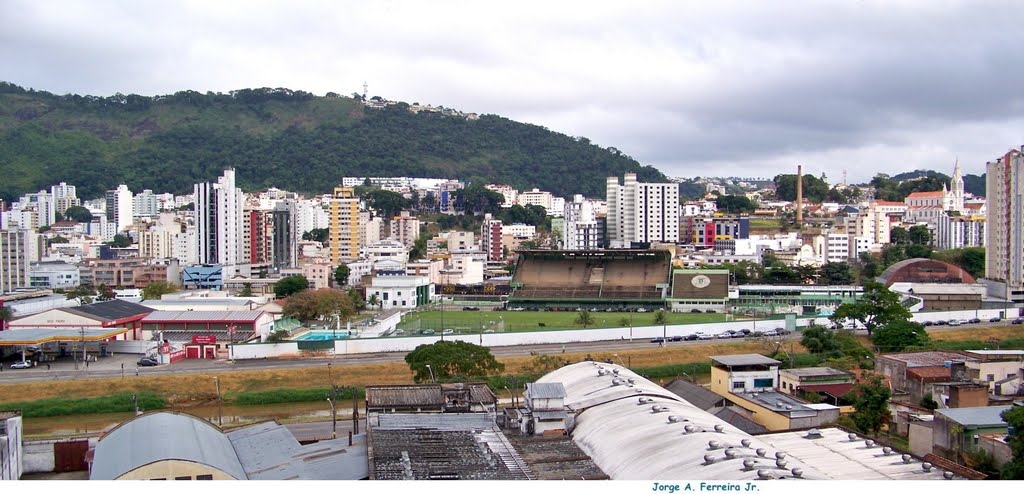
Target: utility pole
{"points": [[355, 411], [220, 411], [334, 419]]}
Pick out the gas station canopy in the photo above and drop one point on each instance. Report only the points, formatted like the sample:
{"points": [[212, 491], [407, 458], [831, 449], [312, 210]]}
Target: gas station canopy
{"points": [[36, 336]]}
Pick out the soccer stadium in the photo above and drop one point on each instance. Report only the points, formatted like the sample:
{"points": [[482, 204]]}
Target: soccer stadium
{"points": [[595, 280]]}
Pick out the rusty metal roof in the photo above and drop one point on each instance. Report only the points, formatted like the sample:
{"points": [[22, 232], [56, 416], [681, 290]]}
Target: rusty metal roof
{"points": [[926, 358], [424, 395]]}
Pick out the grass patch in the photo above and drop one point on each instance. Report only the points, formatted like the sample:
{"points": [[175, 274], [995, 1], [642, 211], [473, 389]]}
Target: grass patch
{"points": [[765, 224], [473, 322], [119, 402], [289, 396]]}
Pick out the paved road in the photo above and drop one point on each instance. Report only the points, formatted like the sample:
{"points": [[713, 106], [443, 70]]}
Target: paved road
{"points": [[111, 366]]}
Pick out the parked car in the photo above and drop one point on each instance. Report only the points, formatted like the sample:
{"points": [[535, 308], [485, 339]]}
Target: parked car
{"points": [[658, 340], [739, 334], [744, 331], [448, 331], [642, 309], [954, 322], [677, 338], [147, 362], [704, 336], [517, 309], [428, 331], [24, 364], [770, 332], [928, 323], [1019, 320], [995, 319], [973, 320], [470, 308], [724, 334], [691, 337], [940, 322]]}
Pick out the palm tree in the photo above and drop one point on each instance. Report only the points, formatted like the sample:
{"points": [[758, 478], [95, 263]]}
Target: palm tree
{"points": [[584, 318], [374, 300]]}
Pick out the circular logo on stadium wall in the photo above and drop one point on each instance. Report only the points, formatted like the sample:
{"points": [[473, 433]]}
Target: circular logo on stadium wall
{"points": [[700, 281]]}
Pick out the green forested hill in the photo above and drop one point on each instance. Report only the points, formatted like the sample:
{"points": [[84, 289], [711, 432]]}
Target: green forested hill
{"points": [[277, 137]]}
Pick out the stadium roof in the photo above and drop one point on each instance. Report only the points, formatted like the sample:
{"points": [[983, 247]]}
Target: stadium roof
{"points": [[36, 336]]}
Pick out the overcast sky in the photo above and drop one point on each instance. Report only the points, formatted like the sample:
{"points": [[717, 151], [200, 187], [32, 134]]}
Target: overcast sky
{"points": [[692, 88]]}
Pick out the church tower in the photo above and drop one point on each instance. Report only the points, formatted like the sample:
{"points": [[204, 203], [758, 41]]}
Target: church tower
{"points": [[956, 190]]}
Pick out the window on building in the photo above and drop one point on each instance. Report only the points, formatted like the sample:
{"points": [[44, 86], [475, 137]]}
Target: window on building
{"points": [[764, 383], [187, 477], [204, 477], [991, 377], [738, 385]]}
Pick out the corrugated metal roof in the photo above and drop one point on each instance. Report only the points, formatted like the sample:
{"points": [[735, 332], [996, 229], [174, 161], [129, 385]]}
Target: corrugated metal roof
{"points": [[746, 359], [698, 395], [110, 310], [402, 396], [837, 390], [841, 458], [929, 372], [175, 316], [975, 416], [926, 358], [740, 422], [816, 372], [545, 390], [163, 436], [268, 451]]}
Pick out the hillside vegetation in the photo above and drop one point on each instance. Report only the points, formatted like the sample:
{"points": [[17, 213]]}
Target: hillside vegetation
{"points": [[289, 139]]}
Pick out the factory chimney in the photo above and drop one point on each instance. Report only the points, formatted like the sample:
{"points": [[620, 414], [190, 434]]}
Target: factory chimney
{"points": [[799, 196]]}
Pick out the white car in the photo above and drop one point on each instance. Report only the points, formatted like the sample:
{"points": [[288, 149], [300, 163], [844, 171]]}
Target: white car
{"points": [[24, 364], [517, 309], [705, 336], [954, 322], [448, 331], [641, 310], [770, 332]]}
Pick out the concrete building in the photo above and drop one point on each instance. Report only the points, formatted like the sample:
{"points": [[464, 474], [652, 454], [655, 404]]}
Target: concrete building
{"points": [[1002, 370], [219, 222], [386, 250], [641, 212], [119, 207], [145, 204], [51, 275], [285, 245], [11, 445], [1004, 233], [490, 238], [913, 373], [405, 228], [957, 232], [401, 291], [957, 430], [64, 196], [580, 230], [871, 226], [15, 257], [344, 216], [535, 197], [545, 412]]}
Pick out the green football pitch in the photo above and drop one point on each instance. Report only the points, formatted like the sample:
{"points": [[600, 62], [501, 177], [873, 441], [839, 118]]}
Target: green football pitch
{"points": [[473, 322]]}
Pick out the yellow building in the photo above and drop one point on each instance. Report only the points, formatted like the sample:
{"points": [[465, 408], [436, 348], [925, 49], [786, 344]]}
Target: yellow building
{"points": [[344, 239]]}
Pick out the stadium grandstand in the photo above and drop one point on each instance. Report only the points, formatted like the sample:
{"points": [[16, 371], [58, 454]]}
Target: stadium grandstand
{"points": [[575, 279]]}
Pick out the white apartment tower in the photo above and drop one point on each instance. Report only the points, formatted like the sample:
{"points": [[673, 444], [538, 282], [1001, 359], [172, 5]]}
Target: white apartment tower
{"points": [[580, 232], [641, 212], [119, 207], [218, 209], [63, 197], [15, 258], [1004, 227]]}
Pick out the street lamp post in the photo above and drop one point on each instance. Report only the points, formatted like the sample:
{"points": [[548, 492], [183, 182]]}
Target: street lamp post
{"points": [[330, 379], [334, 419], [431, 370]]}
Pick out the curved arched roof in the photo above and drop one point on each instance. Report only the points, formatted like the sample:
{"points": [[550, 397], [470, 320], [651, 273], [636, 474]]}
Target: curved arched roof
{"points": [[636, 430], [161, 436], [923, 270]]}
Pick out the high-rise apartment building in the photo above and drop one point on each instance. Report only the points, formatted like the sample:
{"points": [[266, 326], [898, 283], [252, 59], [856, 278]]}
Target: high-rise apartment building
{"points": [[218, 210], [344, 238], [119, 207], [641, 212], [490, 238], [63, 196], [580, 231], [405, 228], [146, 204], [285, 247], [15, 257], [1004, 228]]}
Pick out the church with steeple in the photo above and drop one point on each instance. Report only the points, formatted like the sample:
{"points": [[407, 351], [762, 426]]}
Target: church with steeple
{"points": [[929, 206]]}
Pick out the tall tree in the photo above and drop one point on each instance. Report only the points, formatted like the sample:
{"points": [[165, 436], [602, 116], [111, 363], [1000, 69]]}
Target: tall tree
{"points": [[154, 291], [78, 214], [870, 399], [919, 235], [341, 275], [836, 273], [735, 204], [820, 341], [290, 285], [877, 306], [814, 188], [1014, 470], [448, 359], [898, 235], [899, 335]]}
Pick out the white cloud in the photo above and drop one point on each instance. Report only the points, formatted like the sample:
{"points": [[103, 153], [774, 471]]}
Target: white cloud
{"points": [[865, 86]]}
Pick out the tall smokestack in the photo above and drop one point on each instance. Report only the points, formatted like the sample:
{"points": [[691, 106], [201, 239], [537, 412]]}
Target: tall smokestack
{"points": [[799, 196]]}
